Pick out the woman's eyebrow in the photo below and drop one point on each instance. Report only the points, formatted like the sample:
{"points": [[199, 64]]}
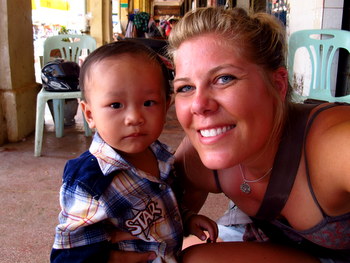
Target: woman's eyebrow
{"points": [[180, 79], [213, 70], [225, 66]]}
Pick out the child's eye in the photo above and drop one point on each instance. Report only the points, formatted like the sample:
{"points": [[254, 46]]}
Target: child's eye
{"points": [[225, 79], [116, 105], [149, 103], [183, 89]]}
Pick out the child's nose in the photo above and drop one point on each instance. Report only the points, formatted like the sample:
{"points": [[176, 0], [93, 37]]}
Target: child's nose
{"points": [[134, 117]]}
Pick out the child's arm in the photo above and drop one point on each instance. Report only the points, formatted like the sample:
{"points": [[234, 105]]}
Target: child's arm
{"points": [[98, 252], [131, 257], [81, 235]]}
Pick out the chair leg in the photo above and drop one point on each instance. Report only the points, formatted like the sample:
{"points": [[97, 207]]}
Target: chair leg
{"points": [[39, 124], [58, 109]]}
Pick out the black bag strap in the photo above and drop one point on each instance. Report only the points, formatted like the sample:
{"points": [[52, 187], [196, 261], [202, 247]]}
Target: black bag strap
{"points": [[286, 163]]}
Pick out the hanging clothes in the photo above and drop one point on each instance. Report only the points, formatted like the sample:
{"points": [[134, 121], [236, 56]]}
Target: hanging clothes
{"points": [[129, 32], [141, 23]]}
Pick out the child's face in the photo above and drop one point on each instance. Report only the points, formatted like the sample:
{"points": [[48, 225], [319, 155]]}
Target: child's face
{"points": [[126, 102]]}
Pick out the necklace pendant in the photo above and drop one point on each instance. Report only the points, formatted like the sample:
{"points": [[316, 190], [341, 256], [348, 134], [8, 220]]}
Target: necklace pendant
{"points": [[245, 188]]}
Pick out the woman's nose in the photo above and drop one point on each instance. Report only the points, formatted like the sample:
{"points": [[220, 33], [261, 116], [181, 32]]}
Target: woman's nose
{"points": [[203, 103], [134, 117]]}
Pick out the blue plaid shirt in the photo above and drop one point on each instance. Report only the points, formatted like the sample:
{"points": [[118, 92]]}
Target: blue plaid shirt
{"points": [[101, 191]]}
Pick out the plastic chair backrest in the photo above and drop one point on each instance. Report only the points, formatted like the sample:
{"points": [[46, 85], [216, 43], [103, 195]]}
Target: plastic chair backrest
{"points": [[70, 46], [321, 45]]}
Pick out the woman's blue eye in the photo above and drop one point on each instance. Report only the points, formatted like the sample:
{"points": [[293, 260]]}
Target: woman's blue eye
{"points": [[225, 79], [116, 105], [148, 103], [185, 88]]}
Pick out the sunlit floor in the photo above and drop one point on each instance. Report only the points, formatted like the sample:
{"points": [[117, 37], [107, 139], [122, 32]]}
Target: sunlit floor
{"points": [[29, 189]]}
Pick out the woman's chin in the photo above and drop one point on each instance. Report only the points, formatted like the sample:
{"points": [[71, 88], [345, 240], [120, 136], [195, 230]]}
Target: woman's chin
{"points": [[215, 161]]}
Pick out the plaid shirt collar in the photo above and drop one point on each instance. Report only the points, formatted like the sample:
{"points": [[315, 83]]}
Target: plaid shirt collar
{"points": [[110, 160]]}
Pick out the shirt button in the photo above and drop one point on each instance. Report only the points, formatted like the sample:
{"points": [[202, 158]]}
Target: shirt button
{"points": [[162, 187]]}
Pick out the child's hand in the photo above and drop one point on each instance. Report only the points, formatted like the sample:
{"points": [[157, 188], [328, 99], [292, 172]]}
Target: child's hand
{"points": [[197, 224]]}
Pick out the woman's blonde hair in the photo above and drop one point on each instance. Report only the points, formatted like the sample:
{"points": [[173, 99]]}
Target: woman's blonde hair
{"points": [[259, 37]]}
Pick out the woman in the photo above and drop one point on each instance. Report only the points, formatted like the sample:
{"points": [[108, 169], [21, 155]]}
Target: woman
{"points": [[285, 165]]}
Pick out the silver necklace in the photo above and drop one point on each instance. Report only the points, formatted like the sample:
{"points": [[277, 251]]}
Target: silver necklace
{"points": [[245, 187]]}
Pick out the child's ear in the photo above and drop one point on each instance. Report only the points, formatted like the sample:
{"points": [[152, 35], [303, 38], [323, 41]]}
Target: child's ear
{"points": [[85, 107]]}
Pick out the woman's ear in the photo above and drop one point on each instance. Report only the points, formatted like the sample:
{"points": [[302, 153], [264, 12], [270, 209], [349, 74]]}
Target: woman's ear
{"points": [[280, 79], [85, 107]]}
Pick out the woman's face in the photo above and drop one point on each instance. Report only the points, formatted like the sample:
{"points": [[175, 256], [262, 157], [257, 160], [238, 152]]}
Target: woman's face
{"points": [[222, 102]]}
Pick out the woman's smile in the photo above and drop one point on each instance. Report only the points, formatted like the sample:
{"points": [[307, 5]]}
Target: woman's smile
{"points": [[216, 131]]}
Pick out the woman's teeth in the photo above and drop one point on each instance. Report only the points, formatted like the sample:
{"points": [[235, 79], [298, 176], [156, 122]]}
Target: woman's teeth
{"points": [[215, 132]]}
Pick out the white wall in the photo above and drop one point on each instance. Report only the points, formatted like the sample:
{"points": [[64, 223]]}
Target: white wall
{"points": [[243, 4], [333, 13], [315, 14], [312, 14], [305, 14]]}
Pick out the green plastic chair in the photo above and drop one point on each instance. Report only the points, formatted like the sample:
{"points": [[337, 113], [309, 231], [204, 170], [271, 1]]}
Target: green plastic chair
{"points": [[321, 45], [70, 47]]}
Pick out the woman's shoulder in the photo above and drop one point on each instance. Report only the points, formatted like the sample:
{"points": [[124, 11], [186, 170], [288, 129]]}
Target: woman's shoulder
{"points": [[329, 125], [328, 149], [332, 113]]}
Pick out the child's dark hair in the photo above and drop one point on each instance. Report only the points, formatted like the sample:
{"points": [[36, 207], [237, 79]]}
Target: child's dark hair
{"points": [[119, 48]]}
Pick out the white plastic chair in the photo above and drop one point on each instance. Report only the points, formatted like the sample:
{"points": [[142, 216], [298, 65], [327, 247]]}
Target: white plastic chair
{"points": [[71, 47], [321, 45]]}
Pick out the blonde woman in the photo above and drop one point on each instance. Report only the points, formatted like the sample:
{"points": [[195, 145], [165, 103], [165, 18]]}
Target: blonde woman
{"points": [[285, 165]]}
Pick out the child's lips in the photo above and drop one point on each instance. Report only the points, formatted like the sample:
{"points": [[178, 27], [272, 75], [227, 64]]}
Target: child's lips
{"points": [[135, 135]]}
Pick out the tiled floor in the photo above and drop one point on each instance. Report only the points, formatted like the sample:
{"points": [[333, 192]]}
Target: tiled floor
{"points": [[29, 190]]}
